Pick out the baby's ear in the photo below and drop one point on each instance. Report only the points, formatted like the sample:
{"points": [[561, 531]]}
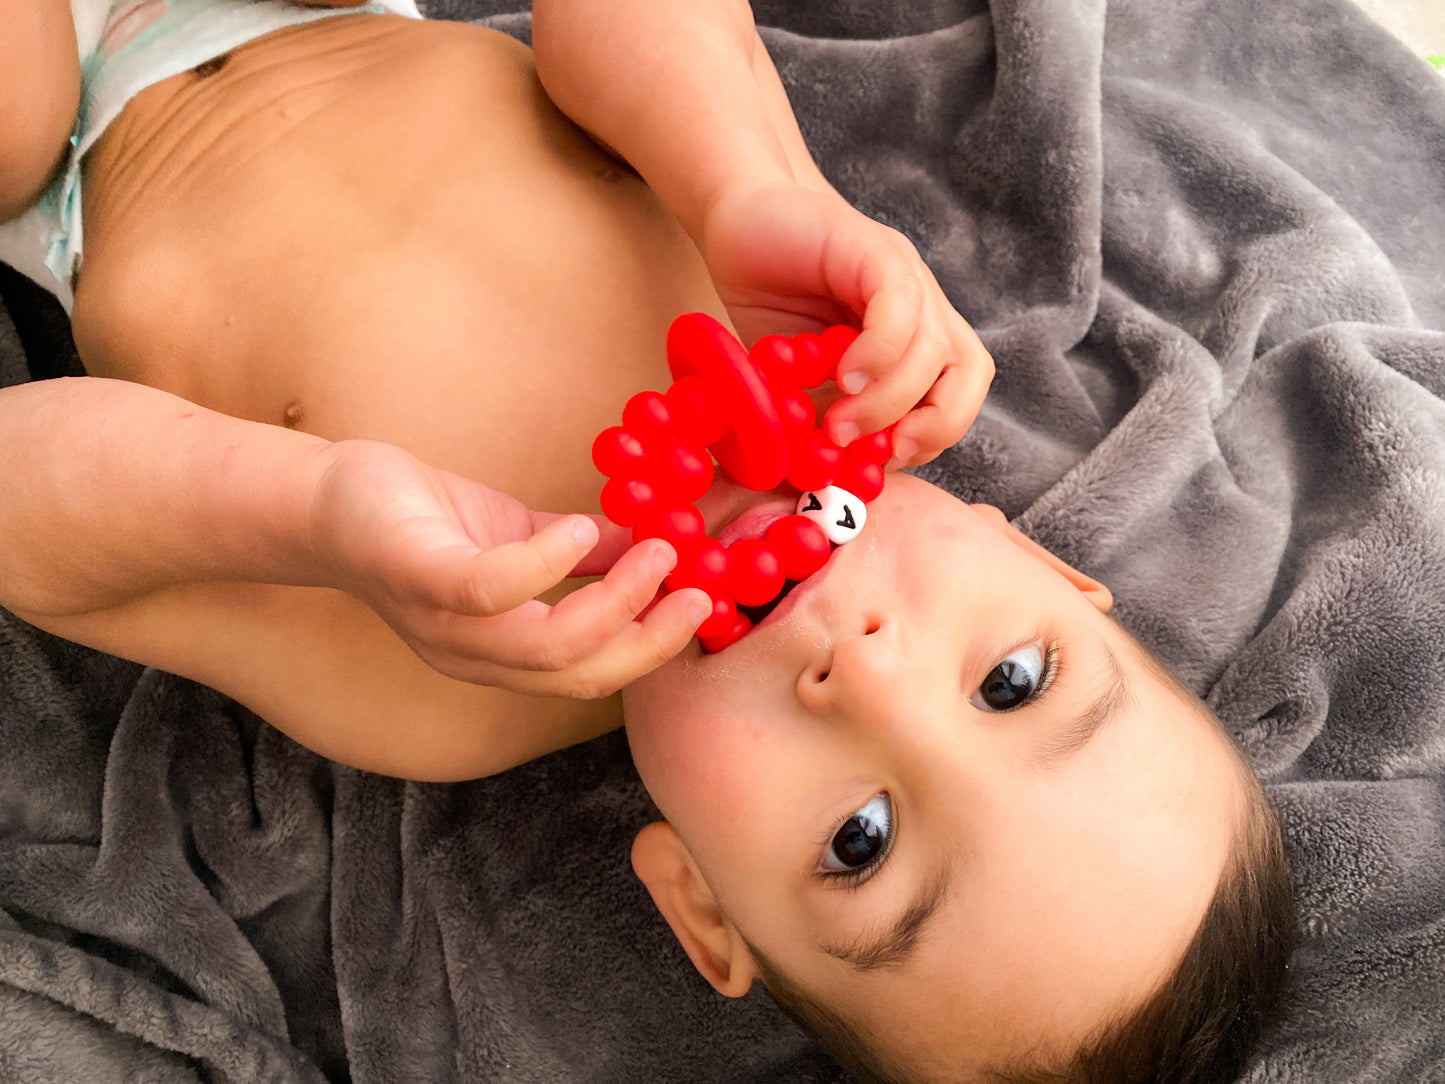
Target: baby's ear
{"points": [[665, 865], [1092, 589]]}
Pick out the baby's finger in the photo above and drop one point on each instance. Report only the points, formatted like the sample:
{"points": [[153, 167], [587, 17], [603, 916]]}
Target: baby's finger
{"points": [[484, 583], [945, 413], [896, 390], [640, 648], [891, 313], [613, 542], [937, 423], [552, 638], [582, 623]]}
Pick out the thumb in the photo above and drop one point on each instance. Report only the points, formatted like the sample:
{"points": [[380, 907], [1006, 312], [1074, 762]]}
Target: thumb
{"points": [[486, 582], [612, 541]]}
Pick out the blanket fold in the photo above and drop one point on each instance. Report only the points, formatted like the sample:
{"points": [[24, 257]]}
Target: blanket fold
{"points": [[1203, 241]]}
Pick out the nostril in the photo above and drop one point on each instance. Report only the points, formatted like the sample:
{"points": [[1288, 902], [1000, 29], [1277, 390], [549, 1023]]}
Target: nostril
{"points": [[812, 687], [874, 624]]}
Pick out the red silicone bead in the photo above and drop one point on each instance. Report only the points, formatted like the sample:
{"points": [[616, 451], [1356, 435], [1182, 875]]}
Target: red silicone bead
{"points": [[796, 409], [678, 525], [680, 474], [813, 462], [800, 544], [625, 501], [646, 415], [694, 413], [773, 354], [617, 452], [810, 366], [753, 451], [750, 410], [872, 447], [713, 644], [723, 617], [863, 480], [835, 342], [756, 575], [701, 564]]}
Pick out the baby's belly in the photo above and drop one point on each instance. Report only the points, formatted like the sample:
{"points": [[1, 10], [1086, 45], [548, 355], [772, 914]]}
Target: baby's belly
{"points": [[374, 227]]}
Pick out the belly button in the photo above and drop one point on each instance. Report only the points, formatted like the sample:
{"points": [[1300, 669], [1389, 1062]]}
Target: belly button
{"points": [[294, 415], [614, 170], [207, 68]]}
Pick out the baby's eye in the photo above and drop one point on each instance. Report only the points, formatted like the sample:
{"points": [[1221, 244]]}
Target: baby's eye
{"points": [[862, 839], [1013, 682]]}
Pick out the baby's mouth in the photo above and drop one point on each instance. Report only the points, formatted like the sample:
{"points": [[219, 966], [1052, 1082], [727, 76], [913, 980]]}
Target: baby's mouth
{"points": [[755, 517], [755, 614]]}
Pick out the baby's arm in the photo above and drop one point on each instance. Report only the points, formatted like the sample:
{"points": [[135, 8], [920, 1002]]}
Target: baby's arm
{"points": [[117, 493], [114, 490], [688, 94], [39, 94]]}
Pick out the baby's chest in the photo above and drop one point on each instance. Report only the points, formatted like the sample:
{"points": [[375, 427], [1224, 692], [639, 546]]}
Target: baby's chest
{"points": [[422, 251]]}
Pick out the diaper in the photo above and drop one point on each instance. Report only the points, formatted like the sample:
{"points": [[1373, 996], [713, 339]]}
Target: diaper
{"points": [[124, 47]]}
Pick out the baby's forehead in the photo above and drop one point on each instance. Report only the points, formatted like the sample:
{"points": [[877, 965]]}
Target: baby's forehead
{"points": [[1146, 666]]}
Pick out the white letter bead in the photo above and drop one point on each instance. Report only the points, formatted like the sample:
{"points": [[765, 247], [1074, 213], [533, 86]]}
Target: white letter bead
{"points": [[838, 512]]}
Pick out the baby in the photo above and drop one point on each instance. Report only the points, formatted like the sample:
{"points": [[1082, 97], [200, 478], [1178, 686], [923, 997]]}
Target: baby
{"points": [[355, 295]]}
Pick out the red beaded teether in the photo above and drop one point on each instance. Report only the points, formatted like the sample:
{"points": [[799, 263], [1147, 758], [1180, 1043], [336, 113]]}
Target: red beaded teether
{"points": [[751, 410]]}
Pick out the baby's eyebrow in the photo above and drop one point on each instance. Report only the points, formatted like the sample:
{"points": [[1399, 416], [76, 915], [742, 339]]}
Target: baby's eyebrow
{"points": [[892, 946], [1065, 743]]}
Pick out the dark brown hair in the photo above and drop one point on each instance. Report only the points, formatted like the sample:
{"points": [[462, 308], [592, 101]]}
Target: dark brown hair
{"points": [[1197, 1028]]}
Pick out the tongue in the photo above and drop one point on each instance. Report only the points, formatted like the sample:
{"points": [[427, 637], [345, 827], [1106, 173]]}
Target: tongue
{"points": [[753, 523]]}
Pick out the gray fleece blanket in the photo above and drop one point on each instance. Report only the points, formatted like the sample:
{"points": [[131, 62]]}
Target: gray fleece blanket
{"points": [[1203, 239]]}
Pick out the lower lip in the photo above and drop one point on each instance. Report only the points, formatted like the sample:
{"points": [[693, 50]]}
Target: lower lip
{"points": [[781, 611]]}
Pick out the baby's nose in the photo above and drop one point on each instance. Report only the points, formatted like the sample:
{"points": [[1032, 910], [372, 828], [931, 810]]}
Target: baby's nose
{"points": [[861, 673]]}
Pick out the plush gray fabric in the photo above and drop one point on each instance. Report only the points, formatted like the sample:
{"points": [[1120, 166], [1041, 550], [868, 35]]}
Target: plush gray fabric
{"points": [[1204, 240]]}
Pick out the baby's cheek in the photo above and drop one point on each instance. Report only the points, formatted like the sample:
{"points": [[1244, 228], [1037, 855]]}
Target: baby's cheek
{"points": [[724, 765]]}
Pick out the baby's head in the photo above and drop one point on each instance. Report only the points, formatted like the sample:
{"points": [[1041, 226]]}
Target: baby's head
{"points": [[959, 823]]}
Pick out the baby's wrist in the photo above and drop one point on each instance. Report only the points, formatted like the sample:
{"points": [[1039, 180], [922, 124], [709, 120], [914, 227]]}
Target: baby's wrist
{"points": [[254, 501], [338, 479], [744, 212], [713, 200]]}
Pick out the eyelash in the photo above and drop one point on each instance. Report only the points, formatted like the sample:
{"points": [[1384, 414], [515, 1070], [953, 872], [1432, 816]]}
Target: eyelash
{"points": [[853, 878], [1052, 666]]}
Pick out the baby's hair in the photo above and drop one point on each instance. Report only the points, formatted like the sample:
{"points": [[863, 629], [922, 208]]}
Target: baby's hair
{"points": [[1196, 1028], [1200, 1025]]}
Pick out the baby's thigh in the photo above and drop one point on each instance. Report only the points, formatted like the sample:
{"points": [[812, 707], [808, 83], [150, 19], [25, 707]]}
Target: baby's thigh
{"points": [[436, 258]]}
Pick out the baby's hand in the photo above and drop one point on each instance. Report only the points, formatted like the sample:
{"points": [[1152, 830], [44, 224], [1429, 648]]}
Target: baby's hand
{"points": [[786, 259], [454, 568]]}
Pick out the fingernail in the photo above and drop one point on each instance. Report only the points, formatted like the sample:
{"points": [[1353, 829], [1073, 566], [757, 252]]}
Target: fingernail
{"points": [[697, 611], [904, 450], [847, 433], [663, 560], [585, 532], [854, 382]]}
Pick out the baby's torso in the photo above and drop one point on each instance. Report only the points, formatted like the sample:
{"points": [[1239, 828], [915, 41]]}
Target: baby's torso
{"points": [[123, 47], [380, 227], [374, 227]]}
